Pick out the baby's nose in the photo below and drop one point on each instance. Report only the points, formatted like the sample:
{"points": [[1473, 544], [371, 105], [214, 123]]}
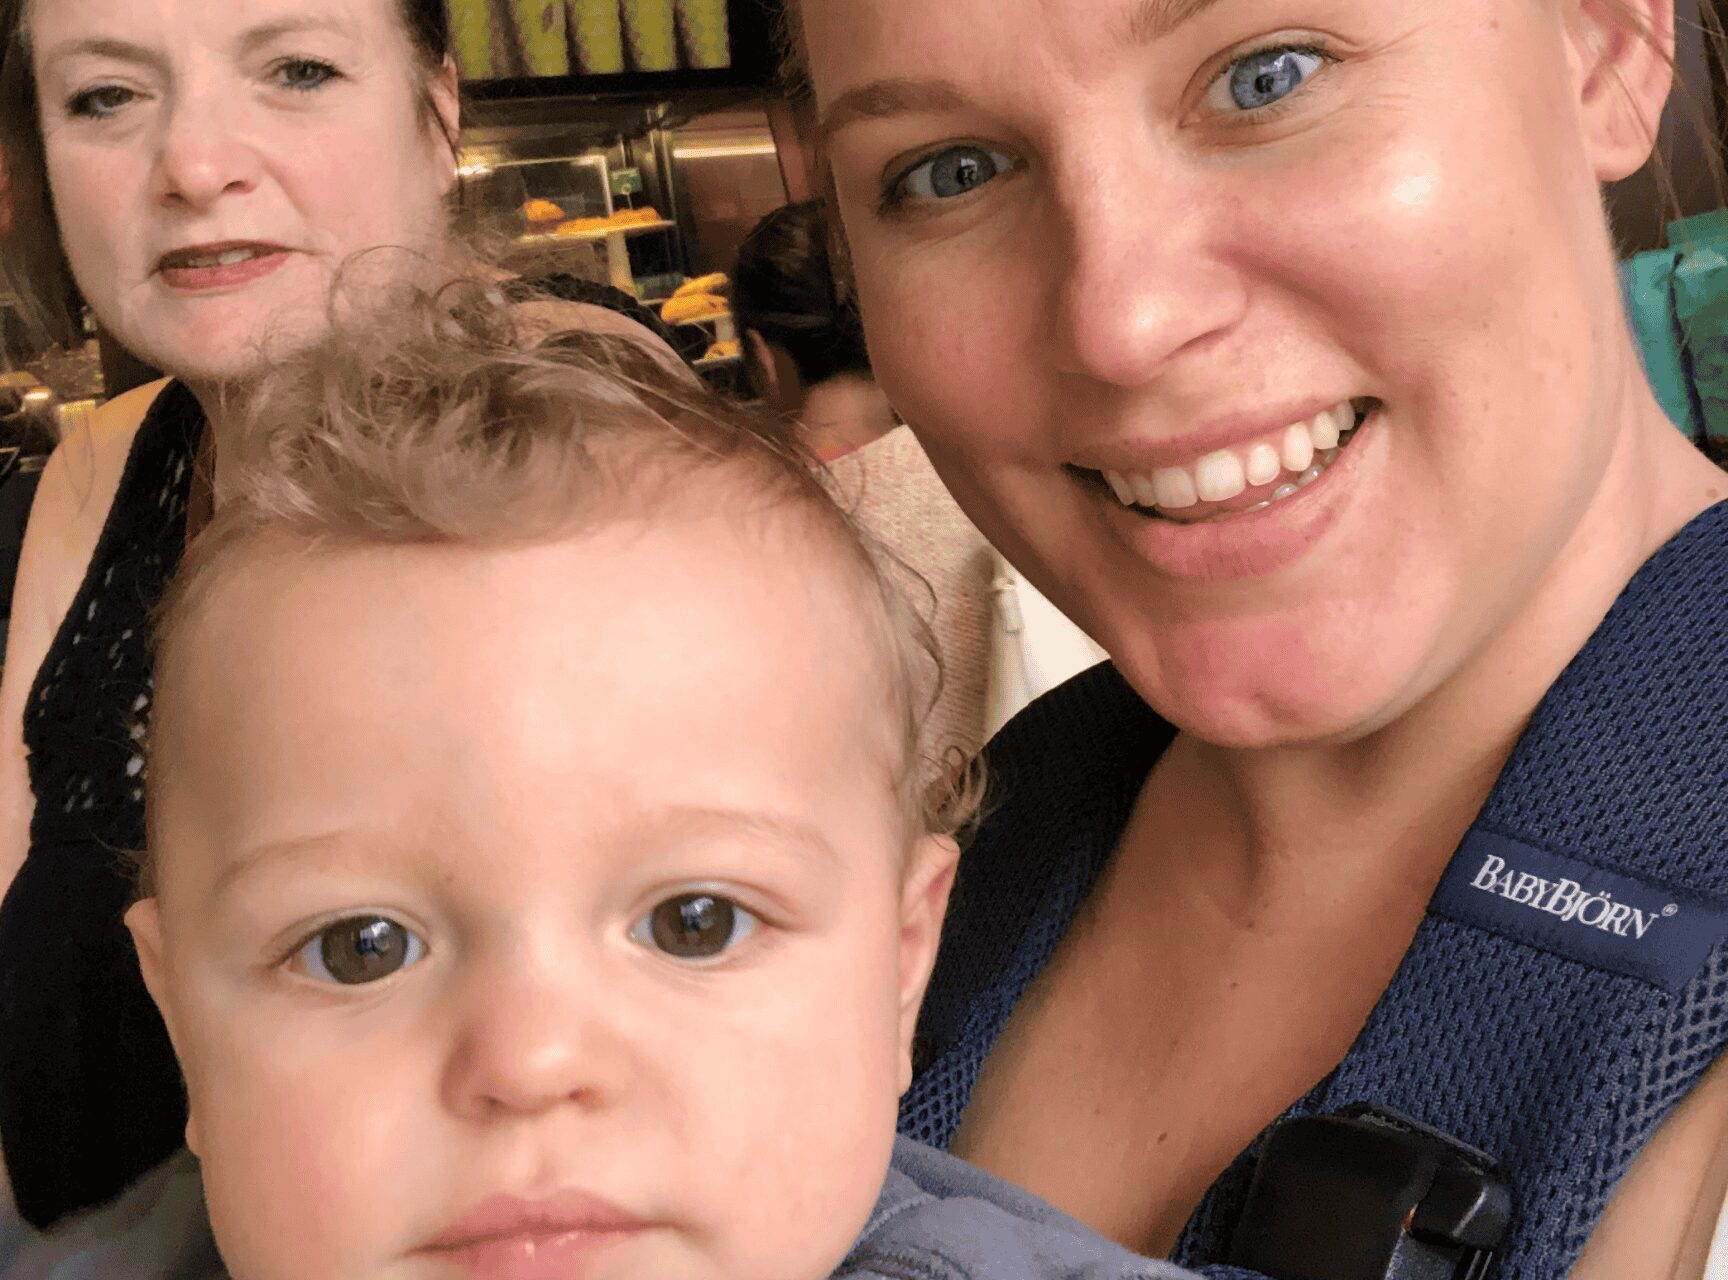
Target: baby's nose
{"points": [[532, 1041]]}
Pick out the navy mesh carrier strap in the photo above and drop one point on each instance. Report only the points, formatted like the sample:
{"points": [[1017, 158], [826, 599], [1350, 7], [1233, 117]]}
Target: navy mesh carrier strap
{"points": [[1569, 985]]}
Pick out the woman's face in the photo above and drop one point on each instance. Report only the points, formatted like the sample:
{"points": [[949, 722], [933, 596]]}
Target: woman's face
{"points": [[1131, 270], [213, 164]]}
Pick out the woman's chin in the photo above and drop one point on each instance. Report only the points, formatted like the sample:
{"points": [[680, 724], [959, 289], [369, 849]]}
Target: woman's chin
{"points": [[1250, 723], [233, 353], [1286, 698]]}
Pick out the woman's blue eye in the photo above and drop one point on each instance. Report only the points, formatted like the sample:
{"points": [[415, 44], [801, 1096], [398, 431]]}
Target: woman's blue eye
{"points": [[954, 172], [694, 926], [100, 102], [1262, 79], [306, 74], [359, 950]]}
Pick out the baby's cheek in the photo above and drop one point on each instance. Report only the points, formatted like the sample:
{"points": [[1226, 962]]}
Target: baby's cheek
{"points": [[305, 1173], [792, 1112]]}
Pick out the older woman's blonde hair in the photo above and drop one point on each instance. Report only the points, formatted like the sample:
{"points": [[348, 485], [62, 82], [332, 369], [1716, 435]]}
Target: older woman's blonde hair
{"points": [[439, 426]]}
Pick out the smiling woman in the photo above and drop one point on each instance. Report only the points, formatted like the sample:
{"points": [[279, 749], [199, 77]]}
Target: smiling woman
{"points": [[1279, 343], [199, 175]]}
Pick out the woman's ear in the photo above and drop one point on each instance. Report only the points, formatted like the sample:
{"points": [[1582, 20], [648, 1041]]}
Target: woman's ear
{"points": [[762, 370], [923, 906], [444, 92], [1623, 69]]}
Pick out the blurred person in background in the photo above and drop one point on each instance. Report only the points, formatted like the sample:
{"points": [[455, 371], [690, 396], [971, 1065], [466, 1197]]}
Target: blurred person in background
{"points": [[804, 347]]}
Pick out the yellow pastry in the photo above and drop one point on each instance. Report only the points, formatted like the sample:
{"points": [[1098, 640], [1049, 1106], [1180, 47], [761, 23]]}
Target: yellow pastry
{"points": [[715, 283], [692, 306]]}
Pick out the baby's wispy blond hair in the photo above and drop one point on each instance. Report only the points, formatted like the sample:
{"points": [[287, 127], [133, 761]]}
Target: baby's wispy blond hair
{"points": [[446, 423]]}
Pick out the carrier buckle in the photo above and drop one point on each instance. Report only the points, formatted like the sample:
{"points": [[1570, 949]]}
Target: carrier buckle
{"points": [[1368, 1194]]}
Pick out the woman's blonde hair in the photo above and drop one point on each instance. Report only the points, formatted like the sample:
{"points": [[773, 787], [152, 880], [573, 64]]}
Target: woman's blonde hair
{"points": [[440, 426]]}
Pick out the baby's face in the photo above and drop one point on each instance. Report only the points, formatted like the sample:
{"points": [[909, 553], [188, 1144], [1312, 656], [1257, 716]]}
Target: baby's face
{"points": [[541, 913]]}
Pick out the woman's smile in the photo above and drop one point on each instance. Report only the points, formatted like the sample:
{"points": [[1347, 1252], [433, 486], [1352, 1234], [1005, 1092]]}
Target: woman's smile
{"points": [[1240, 479]]}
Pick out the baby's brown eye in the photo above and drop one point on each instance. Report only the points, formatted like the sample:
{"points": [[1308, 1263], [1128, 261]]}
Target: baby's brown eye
{"points": [[359, 950], [695, 926]]}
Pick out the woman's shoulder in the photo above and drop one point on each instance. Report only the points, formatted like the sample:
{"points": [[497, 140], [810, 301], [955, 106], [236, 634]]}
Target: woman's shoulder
{"points": [[72, 504], [83, 474]]}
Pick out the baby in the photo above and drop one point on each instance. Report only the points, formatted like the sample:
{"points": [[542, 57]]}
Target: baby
{"points": [[544, 867]]}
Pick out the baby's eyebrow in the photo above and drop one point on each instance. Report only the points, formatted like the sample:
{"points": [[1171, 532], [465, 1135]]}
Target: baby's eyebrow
{"points": [[763, 825], [254, 858]]}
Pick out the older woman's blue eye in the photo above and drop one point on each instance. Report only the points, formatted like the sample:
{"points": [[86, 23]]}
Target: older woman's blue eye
{"points": [[305, 74], [1262, 79], [954, 172], [360, 950], [694, 926], [100, 102]]}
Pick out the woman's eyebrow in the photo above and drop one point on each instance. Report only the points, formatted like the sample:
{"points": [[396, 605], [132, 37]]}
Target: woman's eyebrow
{"points": [[1150, 20], [253, 38], [104, 47], [1145, 21], [269, 32], [881, 99]]}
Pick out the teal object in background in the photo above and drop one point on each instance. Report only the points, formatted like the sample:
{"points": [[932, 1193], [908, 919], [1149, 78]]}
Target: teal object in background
{"points": [[1678, 301]]}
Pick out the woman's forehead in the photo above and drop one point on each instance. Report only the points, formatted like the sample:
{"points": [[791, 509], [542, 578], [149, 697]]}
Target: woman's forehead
{"points": [[233, 23], [850, 42]]}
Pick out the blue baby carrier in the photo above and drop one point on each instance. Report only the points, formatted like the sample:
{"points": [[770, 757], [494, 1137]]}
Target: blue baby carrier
{"points": [[1567, 987]]}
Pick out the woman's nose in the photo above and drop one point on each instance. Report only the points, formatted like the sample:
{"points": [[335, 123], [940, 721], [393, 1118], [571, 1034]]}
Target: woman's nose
{"points": [[1142, 281], [532, 1041], [204, 155]]}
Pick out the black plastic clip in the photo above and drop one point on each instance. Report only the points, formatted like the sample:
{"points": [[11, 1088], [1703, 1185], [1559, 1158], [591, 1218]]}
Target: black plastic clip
{"points": [[1368, 1194]]}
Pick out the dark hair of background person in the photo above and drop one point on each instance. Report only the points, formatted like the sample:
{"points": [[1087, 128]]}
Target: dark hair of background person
{"points": [[783, 287], [30, 255]]}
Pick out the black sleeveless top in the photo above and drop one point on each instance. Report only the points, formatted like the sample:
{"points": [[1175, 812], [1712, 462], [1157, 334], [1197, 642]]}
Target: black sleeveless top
{"points": [[90, 1093]]}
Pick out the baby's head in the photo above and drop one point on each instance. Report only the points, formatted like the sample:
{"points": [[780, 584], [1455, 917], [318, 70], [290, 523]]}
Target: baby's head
{"points": [[542, 877]]}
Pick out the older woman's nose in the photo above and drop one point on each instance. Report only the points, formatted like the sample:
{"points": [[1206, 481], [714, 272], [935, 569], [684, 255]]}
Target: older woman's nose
{"points": [[531, 1041], [203, 156], [1141, 280]]}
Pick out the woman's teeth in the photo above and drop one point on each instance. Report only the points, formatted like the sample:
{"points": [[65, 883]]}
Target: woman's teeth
{"points": [[227, 258], [1300, 452]]}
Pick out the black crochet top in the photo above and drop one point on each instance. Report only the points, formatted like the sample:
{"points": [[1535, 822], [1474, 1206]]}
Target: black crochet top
{"points": [[90, 1096]]}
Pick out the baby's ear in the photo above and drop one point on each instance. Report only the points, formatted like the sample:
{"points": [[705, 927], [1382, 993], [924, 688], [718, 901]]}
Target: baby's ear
{"points": [[923, 904], [144, 920], [1623, 67]]}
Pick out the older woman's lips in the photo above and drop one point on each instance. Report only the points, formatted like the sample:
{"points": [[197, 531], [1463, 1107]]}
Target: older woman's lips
{"points": [[558, 1238], [201, 268]]}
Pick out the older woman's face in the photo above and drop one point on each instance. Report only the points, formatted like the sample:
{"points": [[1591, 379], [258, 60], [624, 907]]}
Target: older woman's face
{"points": [[1131, 269], [213, 163]]}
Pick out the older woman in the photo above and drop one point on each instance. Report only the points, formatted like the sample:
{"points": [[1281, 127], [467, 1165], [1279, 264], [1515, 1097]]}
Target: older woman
{"points": [[205, 169], [1279, 342]]}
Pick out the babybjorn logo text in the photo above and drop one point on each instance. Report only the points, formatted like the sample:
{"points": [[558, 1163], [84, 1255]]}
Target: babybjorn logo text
{"points": [[1567, 899]]}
